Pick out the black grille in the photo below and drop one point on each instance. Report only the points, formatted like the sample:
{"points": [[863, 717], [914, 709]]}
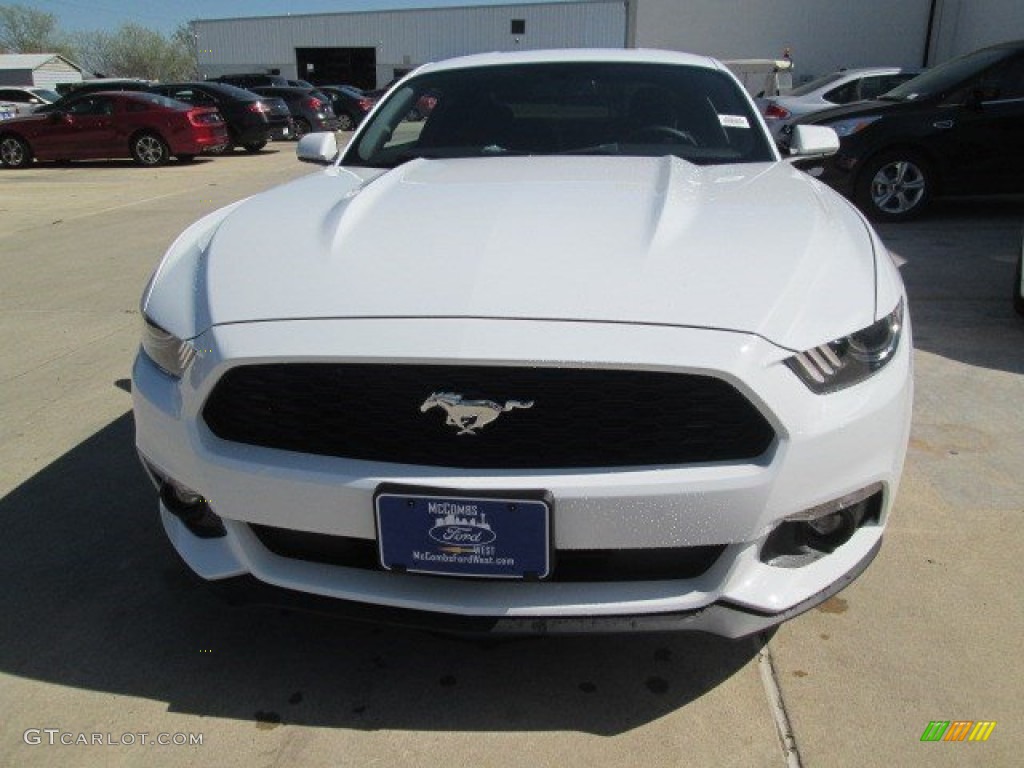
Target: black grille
{"points": [[580, 565], [579, 417]]}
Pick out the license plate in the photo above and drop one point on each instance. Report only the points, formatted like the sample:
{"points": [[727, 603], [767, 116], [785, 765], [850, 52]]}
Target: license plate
{"points": [[499, 536]]}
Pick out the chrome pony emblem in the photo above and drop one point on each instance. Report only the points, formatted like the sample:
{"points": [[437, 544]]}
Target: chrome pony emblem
{"points": [[469, 415]]}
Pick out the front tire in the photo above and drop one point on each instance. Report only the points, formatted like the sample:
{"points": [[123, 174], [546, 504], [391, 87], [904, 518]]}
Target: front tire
{"points": [[895, 186], [14, 152], [149, 150]]}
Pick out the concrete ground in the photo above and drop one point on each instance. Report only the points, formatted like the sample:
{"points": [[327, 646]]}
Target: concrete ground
{"points": [[102, 632]]}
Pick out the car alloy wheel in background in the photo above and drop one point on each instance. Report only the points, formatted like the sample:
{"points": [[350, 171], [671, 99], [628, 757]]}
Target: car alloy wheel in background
{"points": [[14, 152], [149, 149], [895, 186]]}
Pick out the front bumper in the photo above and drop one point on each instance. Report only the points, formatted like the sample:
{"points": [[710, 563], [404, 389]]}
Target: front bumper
{"points": [[827, 446], [720, 618]]}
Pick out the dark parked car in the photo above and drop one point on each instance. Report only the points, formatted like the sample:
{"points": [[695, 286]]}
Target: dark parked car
{"points": [[252, 119], [349, 103], [74, 90], [954, 130], [310, 109], [147, 127], [250, 79]]}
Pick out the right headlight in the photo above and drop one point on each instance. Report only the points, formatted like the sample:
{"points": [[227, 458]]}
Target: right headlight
{"points": [[171, 354], [850, 359]]}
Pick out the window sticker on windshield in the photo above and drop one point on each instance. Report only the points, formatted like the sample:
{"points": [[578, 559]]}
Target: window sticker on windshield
{"points": [[733, 121]]}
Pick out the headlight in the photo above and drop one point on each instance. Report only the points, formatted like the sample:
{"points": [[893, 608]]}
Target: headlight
{"points": [[852, 125], [851, 359], [171, 354]]}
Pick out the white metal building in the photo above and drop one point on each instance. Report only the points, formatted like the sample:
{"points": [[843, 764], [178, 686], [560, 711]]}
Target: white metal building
{"points": [[825, 35], [371, 48], [43, 70]]}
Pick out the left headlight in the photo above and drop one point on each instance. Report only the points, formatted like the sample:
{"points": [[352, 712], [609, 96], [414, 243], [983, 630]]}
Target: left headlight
{"points": [[171, 354], [851, 359]]}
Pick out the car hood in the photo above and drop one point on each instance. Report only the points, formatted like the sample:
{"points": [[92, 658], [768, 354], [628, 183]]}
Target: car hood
{"points": [[758, 248]]}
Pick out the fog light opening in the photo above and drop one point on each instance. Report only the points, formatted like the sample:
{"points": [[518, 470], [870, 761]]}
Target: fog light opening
{"points": [[192, 509], [814, 533]]}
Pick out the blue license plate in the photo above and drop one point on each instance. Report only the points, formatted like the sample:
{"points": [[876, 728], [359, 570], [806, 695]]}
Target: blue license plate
{"points": [[502, 536]]}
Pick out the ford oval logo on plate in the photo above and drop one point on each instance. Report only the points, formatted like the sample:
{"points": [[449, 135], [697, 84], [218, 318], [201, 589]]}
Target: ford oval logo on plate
{"points": [[470, 535]]}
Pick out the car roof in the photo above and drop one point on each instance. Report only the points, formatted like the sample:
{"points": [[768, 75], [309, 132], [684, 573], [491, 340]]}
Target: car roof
{"points": [[574, 55], [225, 88]]}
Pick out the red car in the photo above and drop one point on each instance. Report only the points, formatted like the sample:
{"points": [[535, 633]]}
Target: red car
{"points": [[144, 126]]}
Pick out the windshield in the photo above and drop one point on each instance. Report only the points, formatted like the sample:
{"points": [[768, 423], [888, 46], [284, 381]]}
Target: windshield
{"points": [[697, 114], [46, 95], [944, 78], [814, 85]]}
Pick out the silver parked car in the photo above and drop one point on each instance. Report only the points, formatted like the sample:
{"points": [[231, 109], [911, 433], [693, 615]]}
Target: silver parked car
{"points": [[844, 86], [26, 98]]}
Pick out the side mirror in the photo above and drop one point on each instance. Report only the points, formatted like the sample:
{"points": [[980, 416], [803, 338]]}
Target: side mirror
{"points": [[812, 141], [319, 148]]}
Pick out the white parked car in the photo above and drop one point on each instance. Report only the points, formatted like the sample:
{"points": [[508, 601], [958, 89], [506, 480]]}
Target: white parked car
{"points": [[844, 86], [27, 98], [531, 364]]}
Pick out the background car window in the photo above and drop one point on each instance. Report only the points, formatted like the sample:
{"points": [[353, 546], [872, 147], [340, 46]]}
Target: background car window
{"points": [[874, 86], [96, 105], [191, 96], [844, 94], [816, 84], [1007, 82]]}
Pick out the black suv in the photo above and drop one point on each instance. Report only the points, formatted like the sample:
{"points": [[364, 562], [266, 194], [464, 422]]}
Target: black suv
{"points": [[957, 129], [252, 120], [250, 79]]}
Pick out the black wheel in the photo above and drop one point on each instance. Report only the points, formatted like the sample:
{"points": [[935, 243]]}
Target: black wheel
{"points": [[149, 149], [302, 127], [1018, 292], [346, 123], [14, 152], [254, 146], [895, 186], [186, 158]]}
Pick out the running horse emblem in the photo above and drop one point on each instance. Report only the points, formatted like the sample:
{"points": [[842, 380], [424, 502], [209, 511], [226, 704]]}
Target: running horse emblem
{"points": [[470, 415]]}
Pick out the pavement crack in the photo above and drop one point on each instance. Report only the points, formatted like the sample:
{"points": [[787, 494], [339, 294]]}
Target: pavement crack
{"points": [[777, 705]]}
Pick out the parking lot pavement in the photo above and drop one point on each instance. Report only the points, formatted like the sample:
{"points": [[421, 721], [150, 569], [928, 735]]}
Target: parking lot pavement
{"points": [[104, 633], [932, 630]]}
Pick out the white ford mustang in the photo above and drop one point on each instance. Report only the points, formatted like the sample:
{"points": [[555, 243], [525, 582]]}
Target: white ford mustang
{"points": [[576, 352]]}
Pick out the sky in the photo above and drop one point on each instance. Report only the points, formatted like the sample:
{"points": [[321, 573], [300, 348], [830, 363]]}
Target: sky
{"points": [[164, 16]]}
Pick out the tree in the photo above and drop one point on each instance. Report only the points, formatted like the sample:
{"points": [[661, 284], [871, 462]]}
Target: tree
{"points": [[134, 51], [26, 30], [131, 51]]}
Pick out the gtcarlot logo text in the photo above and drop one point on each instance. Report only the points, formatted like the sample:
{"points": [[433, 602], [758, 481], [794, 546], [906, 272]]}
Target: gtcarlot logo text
{"points": [[55, 736]]}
